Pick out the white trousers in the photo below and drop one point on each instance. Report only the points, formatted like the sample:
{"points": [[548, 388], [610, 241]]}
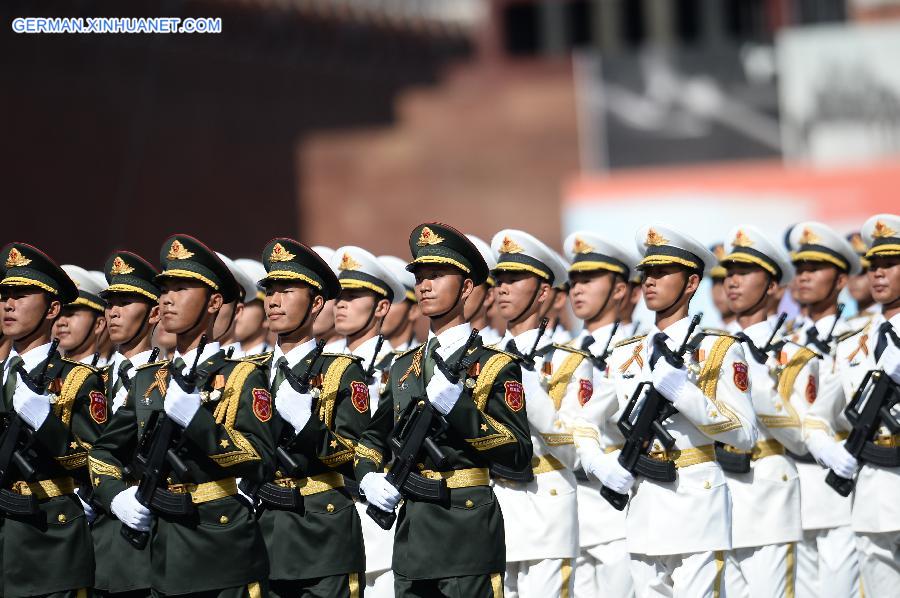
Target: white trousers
{"points": [[380, 584], [696, 575], [761, 572], [828, 564], [604, 571], [879, 563], [547, 578]]}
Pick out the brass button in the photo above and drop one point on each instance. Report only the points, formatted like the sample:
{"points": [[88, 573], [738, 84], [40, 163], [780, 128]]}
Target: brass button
{"points": [[170, 480], [223, 519], [278, 473], [784, 477], [330, 508], [61, 518], [469, 504], [552, 491], [707, 485], [713, 414], [421, 466]]}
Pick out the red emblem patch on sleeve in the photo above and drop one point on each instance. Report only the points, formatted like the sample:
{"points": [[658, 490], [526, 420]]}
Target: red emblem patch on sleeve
{"points": [[585, 391], [741, 379], [514, 396], [811, 390], [262, 404], [359, 396], [98, 406]]}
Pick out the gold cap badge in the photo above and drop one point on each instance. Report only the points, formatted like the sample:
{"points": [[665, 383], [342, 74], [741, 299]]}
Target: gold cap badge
{"points": [[15, 259], [510, 246], [348, 263], [859, 246], [654, 238], [179, 252], [809, 237], [280, 254], [581, 246], [428, 237], [719, 251], [742, 240], [119, 266], [881, 231]]}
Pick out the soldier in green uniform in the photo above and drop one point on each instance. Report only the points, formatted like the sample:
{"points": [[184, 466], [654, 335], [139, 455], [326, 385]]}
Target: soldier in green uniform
{"points": [[312, 530], [48, 551], [132, 297], [216, 547], [456, 548]]}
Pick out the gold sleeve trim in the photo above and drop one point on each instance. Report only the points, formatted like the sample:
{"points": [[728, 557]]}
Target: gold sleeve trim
{"points": [[558, 439], [560, 380], [708, 383], [486, 378], [486, 443], [226, 414], [585, 432], [364, 452], [98, 467]]}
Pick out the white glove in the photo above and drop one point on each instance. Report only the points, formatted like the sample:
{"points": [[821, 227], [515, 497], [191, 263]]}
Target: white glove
{"points": [[669, 381], [833, 455], [890, 362], [293, 407], [33, 408], [442, 393], [379, 492], [88, 509], [130, 512], [181, 406], [606, 468]]}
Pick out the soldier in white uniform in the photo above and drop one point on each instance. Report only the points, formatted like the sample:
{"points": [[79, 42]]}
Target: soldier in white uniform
{"points": [[598, 281], [251, 328], [400, 324], [677, 532], [81, 323], [224, 331], [483, 297], [560, 335], [539, 504], [826, 559], [876, 510], [368, 291], [323, 328], [764, 483]]}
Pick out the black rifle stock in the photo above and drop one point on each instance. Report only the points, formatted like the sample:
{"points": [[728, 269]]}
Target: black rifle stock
{"points": [[640, 430], [415, 432], [157, 455]]}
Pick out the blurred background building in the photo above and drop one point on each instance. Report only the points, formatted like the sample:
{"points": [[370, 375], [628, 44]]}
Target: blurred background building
{"points": [[349, 121]]}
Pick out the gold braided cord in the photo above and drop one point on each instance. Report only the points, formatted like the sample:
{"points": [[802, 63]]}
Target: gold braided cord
{"points": [[560, 380], [226, 414], [708, 383]]}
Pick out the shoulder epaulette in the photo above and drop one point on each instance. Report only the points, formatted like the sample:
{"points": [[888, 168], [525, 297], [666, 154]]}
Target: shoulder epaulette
{"points": [[628, 341], [496, 349], [408, 351], [850, 334], [718, 332], [79, 363], [349, 356], [570, 349], [152, 364]]}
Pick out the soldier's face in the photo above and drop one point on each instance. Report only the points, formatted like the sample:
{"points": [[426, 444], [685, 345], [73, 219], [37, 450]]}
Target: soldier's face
{"points": [[75, 328], [590, 292], [249, 321], [184, 304], [288, 304], [396, 317], [439, 288], [747, 287], [223, 329], [324, 324], [519, 294], [127, 315], [817, 281], [356, 309], [884, 276], [23, 308], [663, 286], [859, 288]]}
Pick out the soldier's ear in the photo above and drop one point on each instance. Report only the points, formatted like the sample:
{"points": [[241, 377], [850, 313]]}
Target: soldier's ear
{"points": [[620, 289], [215, 303], [382, 307], [467, 287], [842, 279], [693, 283], [318, 302], [54, 309], [153, 317]]}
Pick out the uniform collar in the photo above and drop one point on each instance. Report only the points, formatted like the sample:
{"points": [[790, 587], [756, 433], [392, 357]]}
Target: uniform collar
{"points": [[257, 349], [675, 332], [142, 358], [452, 338], [367, 350], [294, 355], [30, 359], [759, 332], [208, 351]]}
